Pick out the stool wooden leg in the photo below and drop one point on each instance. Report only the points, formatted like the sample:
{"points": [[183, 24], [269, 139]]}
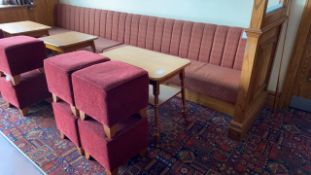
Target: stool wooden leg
{"points": [[112, 172], [87, 155], [80, 150], [16, 80], [55, 98], [110, 132], [143, 152], [143, 113], [9, 105], [41, 70], [23, 111], [62, 136], [74, 110], [82, 115]]}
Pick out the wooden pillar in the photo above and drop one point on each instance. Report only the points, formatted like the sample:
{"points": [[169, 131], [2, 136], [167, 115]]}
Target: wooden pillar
{"points": [[263, 36]]}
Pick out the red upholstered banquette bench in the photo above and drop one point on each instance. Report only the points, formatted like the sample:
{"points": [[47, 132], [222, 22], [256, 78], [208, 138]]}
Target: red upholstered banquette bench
{"points": [[216, 52]]}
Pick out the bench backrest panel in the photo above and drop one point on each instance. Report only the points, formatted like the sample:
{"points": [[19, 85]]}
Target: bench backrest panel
{"points": [[214, 44]]}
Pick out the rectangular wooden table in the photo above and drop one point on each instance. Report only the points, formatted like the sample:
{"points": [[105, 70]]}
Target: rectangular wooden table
{"points": [[69, 41], [160, 68], [28, 28]]}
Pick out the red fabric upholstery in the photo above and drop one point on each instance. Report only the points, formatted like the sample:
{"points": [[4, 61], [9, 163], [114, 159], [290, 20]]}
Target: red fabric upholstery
{"points": [[59, 68], [157, 40], [110, 92], [215, 81], [21, 54], [66, 122], [217, 45], [1, 34], [132, 139], [31, 89], [204, 42]]}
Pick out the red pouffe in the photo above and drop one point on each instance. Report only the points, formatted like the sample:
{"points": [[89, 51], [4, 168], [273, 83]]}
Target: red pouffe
{"points": [[114, 96], [58, 71], [66, 122], [111, 153], [22, 79], [110, 92]]}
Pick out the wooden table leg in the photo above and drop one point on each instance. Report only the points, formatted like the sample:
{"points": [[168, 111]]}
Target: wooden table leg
{"points": [[93, 46], [182, 86], [156, 93]]}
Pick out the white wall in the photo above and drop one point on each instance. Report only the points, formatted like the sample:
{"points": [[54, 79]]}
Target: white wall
{"points": [[227, 12]]}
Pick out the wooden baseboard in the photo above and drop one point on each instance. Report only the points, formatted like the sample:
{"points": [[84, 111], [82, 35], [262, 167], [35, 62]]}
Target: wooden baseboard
{"points": [[238, 130], [271, 98], [211, 102]]}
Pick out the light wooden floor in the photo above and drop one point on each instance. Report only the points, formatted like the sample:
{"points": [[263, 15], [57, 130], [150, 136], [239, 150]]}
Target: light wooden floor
{"points": [[13, 161]]}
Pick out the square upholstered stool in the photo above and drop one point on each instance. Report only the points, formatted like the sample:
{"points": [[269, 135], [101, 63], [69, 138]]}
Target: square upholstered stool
{"points": [[59, 68], [110, 92], [111, 153], [22, 76], [58, 73], [31, 88], [66, 122]]}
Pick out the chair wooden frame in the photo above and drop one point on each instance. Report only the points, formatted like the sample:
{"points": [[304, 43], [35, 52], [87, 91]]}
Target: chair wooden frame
{"points": [[263, 38]]}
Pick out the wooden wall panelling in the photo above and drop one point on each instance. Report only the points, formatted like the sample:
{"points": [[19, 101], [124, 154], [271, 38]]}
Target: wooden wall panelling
{"points": [[11, 14], [42, 12], [298, 54], [262, 41]]}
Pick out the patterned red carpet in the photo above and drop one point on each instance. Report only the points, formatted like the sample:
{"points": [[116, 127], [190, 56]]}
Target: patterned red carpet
{"points": [[275, 145]]}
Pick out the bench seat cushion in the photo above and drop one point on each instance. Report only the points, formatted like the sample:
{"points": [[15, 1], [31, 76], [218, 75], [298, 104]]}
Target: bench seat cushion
{"points": [[214, 81], [101, 43]]}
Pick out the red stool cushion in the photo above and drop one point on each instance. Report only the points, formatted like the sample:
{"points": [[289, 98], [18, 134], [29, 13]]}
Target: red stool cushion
{"points": [[110, 92], [21, 54], [31, 89], [66, 122], [132, 139], [59, 68]]}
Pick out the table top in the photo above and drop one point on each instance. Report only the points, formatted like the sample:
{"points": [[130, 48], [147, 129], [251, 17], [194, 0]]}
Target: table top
{"points": [[68, 39], [158, 65], [21, 27]]}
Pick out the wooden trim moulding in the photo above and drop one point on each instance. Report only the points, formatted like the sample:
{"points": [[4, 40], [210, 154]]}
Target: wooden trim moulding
{"points": [[297, 55]]}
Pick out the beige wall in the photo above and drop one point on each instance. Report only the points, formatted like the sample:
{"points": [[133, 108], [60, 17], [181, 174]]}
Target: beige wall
{"points": [[295, 11]]}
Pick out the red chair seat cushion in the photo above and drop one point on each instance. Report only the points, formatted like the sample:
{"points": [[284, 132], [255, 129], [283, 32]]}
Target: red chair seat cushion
{"points": [[112, 153], [31, 89], [20, 54], [59, 68], [111, 91], [66, 122]]}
